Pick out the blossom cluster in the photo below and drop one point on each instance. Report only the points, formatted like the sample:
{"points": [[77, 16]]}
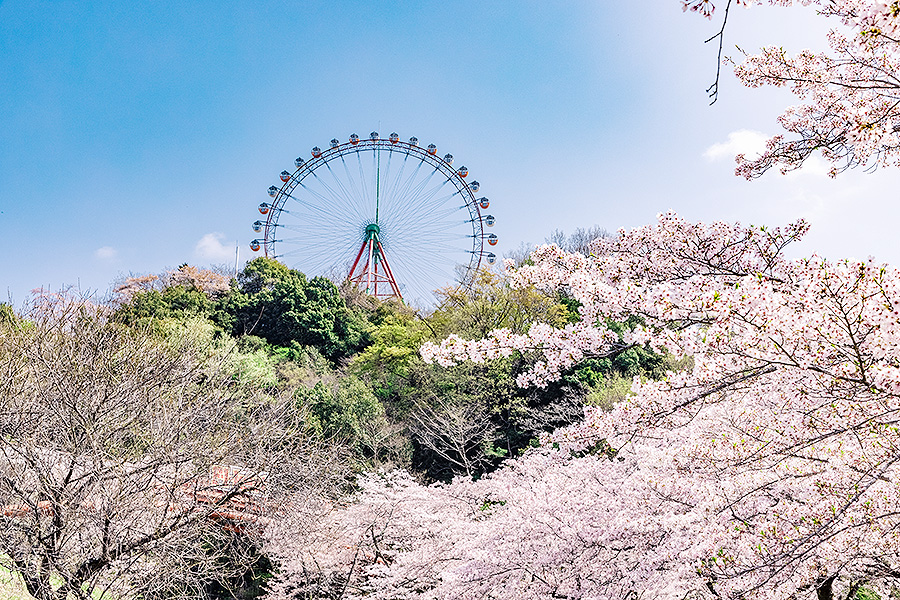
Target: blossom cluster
{"points": [[668, 272], [768, 468], [207, 281], [849, 110]]}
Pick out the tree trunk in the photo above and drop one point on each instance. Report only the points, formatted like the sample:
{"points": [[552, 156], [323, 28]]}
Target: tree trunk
{"points": [[824, 591]]}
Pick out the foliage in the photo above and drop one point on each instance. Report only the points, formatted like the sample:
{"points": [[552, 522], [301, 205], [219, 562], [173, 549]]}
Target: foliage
{"points": [[283, 306], [184, 293], [491, 303], [466, 420], [343, 409], [454, 417], [170, 302], [866, 594], [394, 345], [8, 316], [360, 394]]}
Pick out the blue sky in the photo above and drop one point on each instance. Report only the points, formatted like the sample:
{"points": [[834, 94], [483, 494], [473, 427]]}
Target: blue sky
{"points": [[138, 136]]}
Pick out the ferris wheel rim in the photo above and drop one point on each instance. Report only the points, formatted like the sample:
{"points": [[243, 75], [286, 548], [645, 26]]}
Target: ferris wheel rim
{"points": [[428, 155]]}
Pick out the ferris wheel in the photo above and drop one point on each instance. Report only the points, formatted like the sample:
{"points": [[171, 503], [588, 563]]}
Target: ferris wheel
{"points": [[386, 215]]}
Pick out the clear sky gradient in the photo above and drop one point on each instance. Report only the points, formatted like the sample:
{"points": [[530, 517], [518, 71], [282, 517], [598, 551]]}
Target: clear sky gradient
{"points": [[138, 136]]}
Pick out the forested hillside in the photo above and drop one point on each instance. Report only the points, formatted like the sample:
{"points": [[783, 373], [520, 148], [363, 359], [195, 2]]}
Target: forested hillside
{"points": [[681, 412], [291, 384]]}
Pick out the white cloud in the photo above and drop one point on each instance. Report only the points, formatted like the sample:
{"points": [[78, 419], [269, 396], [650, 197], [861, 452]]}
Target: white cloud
{"points": [[210, 248], [744, 141], [106, 253], [814, 165]]}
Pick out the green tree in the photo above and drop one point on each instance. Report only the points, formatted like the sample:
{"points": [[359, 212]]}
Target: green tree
{"points": [[282, 306], [184, 293], [343, 409], [491, 303], [395, 336]]}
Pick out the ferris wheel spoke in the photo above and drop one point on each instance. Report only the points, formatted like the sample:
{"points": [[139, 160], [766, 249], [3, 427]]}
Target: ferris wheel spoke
{"points": [[403, 191], [315, 214], [308, 221], [435, 251], [398, 199], [316, 225], [425, 280], [422, 197], [345, 193], [386, 176], [326, 233], [442, 220], [426, 197], [427, 260], [311, 267], [362, 177], [422, 271], [312, 264], [332, 195], [445, 224], [375, 173], [415, 191], [295, 228], [414, 220], [318, 253], [426, 227], [324, 241], [433, 247], [437, 236], [326, 207], [359, 194], [323, 246], [390, 191], [454, 196], [314, 244]]}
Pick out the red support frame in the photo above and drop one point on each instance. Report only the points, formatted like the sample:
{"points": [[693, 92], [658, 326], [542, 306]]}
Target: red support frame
{"points": [[365, 274]]}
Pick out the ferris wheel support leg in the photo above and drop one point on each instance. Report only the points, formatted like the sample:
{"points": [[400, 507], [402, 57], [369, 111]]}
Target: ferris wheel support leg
{"points": [[369, 266], [390, 274], [356, 262]]}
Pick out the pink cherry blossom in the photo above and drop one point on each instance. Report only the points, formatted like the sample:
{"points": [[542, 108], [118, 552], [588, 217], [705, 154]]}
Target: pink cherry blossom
{"points": [[768, 470], [848, 96]]}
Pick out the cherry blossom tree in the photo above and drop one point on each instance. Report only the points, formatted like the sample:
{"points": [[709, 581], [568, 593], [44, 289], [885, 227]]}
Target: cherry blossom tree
{"points": [[768, 470], [135, 463], [207, 281], [850, 95]]}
